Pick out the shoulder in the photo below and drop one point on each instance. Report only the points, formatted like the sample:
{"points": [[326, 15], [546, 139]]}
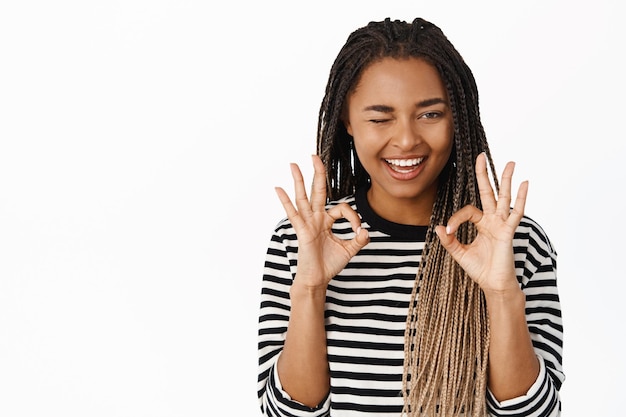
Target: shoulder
{"points": [[535, 256], [529, 232]]}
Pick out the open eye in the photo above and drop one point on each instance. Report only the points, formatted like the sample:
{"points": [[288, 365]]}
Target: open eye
{"points": [[430, 115]]}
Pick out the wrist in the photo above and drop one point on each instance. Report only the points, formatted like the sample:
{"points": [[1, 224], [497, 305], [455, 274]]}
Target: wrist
{"points": [[303, 291], [509, 299]]}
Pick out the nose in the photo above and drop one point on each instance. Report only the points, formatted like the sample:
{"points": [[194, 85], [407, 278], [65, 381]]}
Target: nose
{"points": [[406, 135]]}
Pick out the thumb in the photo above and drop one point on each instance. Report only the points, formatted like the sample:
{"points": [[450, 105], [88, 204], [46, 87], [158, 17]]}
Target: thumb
{"points": [[360, 239], [449, 242]]}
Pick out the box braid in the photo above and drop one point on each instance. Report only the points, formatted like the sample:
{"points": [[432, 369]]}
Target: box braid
{"points": [[447, 330]]}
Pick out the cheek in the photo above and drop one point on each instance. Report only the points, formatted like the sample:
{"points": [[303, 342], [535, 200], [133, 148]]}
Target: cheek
{"points": [[365, 142], [360, 150], [444, 139], [365, 154]]}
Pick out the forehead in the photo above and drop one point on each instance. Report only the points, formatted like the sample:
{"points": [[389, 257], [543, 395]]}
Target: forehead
{"points": [[391, 77]]}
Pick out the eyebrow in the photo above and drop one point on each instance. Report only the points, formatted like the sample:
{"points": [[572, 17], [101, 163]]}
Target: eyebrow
{"points": [[388, 109], [431, 101]]}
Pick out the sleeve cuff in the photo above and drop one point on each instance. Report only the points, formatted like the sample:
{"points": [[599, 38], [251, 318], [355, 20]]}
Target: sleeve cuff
{"points": [[532, 391], [285, 405], [541, 400]]}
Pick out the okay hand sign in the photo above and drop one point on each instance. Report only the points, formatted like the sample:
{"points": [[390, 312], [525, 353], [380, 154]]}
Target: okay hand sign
{"points": [[489, 259], [321, 254]]}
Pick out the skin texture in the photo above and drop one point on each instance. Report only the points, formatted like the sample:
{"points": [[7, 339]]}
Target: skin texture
{"points": [[399, 110]]}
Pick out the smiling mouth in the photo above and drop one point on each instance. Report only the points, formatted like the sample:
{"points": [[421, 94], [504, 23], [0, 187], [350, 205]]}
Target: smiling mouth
{"points": [[404, 165]]}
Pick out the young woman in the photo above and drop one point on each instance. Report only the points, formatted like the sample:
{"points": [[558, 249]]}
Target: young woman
{"points": [[404, 284]]}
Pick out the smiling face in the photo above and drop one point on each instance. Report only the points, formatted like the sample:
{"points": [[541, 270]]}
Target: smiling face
{"points": [[401, 122]]}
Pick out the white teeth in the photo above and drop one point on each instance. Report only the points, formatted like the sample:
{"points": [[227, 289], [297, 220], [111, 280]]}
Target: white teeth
{"points": [[405, 162]]}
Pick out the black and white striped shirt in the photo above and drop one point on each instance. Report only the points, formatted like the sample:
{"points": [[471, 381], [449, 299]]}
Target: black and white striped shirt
{"points": [[366, 310]]}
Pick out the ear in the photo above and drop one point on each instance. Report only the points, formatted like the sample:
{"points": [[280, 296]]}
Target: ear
{"points": [[346, 123], [345, 118]]}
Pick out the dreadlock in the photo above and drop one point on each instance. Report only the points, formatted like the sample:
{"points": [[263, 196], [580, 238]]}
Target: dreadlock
{"points": [[447, 330]]}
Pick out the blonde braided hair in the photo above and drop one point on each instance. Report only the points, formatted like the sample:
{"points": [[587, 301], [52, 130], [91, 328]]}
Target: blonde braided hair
{"points": [[447, 329]]}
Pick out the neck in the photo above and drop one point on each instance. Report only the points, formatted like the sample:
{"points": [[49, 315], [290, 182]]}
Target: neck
{"points": [[409, 211]]}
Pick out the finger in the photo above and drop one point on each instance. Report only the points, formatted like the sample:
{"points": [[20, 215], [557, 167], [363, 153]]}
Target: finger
{"points": [[520, 204], [290, 210], [302, 200], [318, 190], [360, 239], [466, 214], [487, 196], [450, 243], [504, 195], [344, 211]]}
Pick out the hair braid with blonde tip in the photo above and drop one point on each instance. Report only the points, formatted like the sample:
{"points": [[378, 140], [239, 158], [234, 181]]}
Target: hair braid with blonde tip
{"points": [[447, 331]]}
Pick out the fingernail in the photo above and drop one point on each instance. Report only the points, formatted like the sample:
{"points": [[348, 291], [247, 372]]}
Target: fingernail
{"points": [[358, 230], [448, 230]]}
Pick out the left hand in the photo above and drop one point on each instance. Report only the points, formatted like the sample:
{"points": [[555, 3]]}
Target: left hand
{"points": [[489, 259]]}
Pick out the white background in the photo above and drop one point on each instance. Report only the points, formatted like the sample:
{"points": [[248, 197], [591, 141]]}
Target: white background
{"points": [[140, 142]]}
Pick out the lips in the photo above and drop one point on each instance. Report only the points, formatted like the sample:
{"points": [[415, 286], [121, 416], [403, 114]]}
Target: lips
{"points": [[404, 165]]}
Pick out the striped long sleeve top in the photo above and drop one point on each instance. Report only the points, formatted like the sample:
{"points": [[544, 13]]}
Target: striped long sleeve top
{"points": [[366, 309]]}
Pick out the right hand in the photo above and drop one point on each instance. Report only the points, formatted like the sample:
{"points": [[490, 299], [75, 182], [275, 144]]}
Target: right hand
{"points": [[321, 254]]}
